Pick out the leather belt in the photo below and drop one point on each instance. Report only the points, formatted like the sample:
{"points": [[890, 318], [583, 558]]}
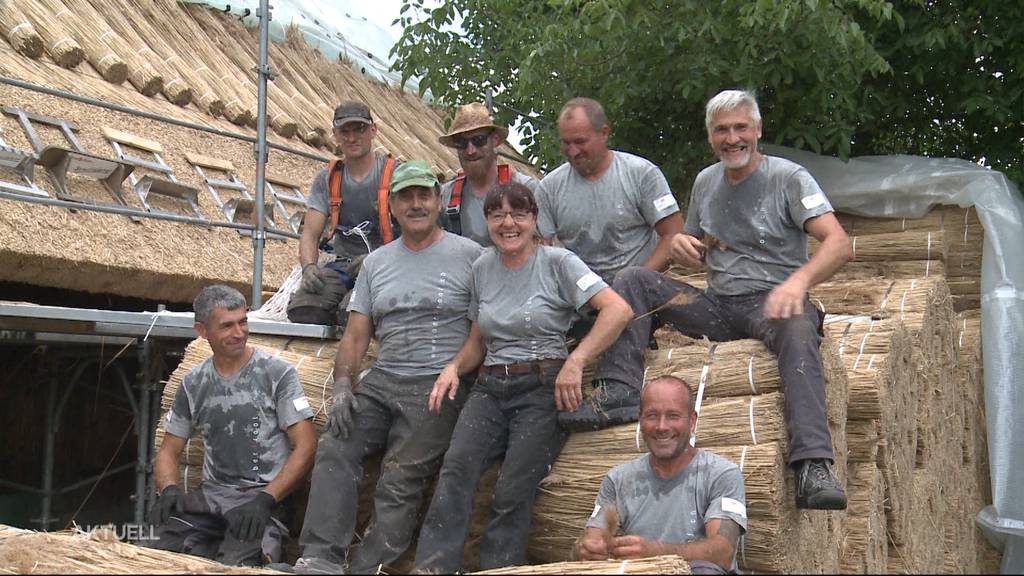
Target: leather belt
{"points": [[522, 367]]}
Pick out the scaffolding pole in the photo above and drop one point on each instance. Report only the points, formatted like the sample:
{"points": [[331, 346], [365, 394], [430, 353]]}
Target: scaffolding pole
{"points": [[263, 75]]}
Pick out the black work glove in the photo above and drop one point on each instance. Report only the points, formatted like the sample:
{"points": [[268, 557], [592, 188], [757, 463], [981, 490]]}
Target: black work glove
{"points": [[167, 503], [246, 522], [343, 412], [312, 279]]}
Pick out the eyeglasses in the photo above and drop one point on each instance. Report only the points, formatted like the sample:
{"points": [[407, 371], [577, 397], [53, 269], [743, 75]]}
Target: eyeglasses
{"points": [[352, 129], [462, 142], [518, 216]]}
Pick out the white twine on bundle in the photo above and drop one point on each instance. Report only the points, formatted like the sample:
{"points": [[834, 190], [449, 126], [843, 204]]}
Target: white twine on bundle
{"points": [[753, 435], [905, 292], [960, 341], [700, 389], [323, 392], [750, 374], [854, 247], [670, 351], [622, 567], [156, 316], [928, 260], [860, 352], [188, 446], [25, 24], [871, 361], [743, 458]]}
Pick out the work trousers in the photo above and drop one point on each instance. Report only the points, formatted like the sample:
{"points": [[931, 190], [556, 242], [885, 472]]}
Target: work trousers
{"points": [[393, 417], [795, 341], [201, 530], [510, 416]]}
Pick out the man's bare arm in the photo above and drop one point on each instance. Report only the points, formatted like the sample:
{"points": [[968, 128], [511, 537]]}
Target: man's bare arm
{"points": [[719, 546], [666, 228], [302, 436], [353, 345], [309, 242], [168, 459]]}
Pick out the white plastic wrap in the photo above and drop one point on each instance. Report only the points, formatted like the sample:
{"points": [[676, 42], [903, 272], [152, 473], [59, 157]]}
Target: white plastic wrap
{"points": [[909, 186]]}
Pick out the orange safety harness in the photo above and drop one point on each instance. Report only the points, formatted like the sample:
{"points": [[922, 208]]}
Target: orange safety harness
{"points": [[335, 173], [454, 207]]}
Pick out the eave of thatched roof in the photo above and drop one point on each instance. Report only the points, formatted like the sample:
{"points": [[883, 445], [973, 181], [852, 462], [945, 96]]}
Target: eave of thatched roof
{"points": [[194, 65]]}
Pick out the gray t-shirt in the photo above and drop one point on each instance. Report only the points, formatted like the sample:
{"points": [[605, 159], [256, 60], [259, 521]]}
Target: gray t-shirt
{"points": [[243, 419], [418, 302], [608, 223], [673, 510], [760, 221], [471, 213], [523, 314], [358, 205]]}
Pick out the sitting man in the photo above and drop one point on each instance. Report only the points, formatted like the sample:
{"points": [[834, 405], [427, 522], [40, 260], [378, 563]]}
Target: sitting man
{"points": [[748, 221], [347, 202], [676, 499], [258, 444], [413, 295]]}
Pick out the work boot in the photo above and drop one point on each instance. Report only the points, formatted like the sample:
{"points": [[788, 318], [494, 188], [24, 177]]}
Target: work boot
{"points": [[612, 403], [308, 566], [817, 487]]}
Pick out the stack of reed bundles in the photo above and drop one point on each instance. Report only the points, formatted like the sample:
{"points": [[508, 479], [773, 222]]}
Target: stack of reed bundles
{"points": [[88, 32], [173, 86], [19, 31], [97, 552], [958, 229], [228, 35], [141, 73], [59, 43], [653, 565], [865, 547], [741, 418], [143, 19]]}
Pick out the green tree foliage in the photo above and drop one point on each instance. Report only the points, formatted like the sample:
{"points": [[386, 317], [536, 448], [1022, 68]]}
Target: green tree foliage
{"points": [[933, 77]]}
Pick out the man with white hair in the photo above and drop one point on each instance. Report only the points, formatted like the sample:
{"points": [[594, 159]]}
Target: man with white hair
{"points": [[747, 223]]}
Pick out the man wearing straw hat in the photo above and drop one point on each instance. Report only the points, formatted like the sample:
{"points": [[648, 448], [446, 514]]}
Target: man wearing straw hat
{"points": [[748, 221], [347, 201], [413, 296], [676, 499], [476, 138], [258, 444], [613, 209]]}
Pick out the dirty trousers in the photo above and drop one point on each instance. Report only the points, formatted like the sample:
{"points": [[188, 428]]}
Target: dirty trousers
{"points": [[795, 341], [202, 531], [507, 416], [392, 416]]}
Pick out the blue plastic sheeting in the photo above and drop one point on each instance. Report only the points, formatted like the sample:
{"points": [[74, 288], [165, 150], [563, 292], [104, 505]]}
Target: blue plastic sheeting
{"points": [[907, 187], [327, 26]]}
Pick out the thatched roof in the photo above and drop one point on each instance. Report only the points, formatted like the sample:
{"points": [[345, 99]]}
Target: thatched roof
{"points": [[187, 63]]}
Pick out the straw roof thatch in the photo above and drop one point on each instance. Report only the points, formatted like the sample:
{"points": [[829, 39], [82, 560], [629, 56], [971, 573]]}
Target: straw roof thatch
{"points": [[188, 63], [655, 565]]}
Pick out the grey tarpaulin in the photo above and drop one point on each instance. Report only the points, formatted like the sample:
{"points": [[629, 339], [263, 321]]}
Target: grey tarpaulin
{"points": [[908, 186]]}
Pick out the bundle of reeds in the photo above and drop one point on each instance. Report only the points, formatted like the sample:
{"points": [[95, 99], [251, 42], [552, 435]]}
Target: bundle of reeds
{"points": [[972, 388], [737, 368], [922, 550], [141, 74], [141, 55], [19, 31], [890, 269], [653, 565], [89, 32], [58, 41], [911, 245], [96, 552], [865, 546]]}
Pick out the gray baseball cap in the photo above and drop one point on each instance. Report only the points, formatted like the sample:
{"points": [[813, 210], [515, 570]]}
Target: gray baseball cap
{"points": [[352, 111]]}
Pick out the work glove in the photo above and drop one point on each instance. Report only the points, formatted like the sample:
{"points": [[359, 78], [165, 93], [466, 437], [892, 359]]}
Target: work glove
{"points": [[246, 522], [167, 503], [343, 412], [312, 279]]}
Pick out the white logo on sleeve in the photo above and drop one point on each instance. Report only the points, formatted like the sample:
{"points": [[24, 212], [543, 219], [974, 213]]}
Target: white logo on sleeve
{"points": [[664, 202], [300, 404], [734, 507], [597, 510], [587, 280], [814, 200]]}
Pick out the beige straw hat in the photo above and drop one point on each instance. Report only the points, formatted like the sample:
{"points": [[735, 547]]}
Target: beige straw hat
{"points": [[468, 118]]}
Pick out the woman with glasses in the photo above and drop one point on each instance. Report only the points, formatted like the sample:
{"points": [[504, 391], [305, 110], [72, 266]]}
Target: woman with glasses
{"points": [[523, 298]]}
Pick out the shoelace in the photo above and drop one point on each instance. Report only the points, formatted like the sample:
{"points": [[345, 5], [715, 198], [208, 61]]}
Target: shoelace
{"points": [[820, 471]]}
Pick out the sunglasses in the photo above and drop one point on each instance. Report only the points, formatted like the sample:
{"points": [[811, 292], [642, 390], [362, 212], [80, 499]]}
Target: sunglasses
{"points": [[462, 142], [518, 216]]}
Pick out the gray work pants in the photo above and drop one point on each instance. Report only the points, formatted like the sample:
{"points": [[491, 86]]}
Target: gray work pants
{"points": [[510, 416], [393, 417], [202, 531], [795, 341]]}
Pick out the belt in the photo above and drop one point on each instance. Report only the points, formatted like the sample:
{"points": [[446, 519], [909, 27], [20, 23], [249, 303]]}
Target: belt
{"points": [[522, 367]]}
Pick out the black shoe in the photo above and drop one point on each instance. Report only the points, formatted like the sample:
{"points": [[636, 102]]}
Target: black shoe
{"points": [[612, 403], [817, 487]]}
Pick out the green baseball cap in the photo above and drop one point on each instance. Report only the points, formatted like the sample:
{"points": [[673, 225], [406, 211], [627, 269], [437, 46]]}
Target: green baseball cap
{"points": [[413, 173]]}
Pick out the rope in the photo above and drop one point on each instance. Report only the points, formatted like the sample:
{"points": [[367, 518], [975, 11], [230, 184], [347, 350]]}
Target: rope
{"points": [[750, 375], [361, 231], [700, 388], [276, 307], [753, 434]]}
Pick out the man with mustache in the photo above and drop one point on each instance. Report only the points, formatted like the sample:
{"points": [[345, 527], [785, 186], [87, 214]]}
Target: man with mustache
{"points": [[759, 209], [348, 202], [476, 138], [413, 296], [258, 444], [614, 210], [676, 499]]}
